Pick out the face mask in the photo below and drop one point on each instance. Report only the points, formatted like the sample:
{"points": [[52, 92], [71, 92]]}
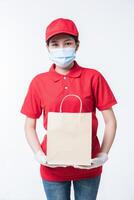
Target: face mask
{"points": [[62, 57]]}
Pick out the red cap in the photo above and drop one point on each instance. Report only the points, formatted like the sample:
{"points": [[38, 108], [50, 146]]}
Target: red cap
{"points": [[61, 25]]}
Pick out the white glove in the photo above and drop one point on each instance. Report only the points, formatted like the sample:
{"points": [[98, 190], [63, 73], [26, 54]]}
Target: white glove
{"points": [[100, 159], [42, 159], [95, 162]]}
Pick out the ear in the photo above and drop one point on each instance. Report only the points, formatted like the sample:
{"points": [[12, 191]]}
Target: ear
{"points": [[47, 47], [77, 45]]}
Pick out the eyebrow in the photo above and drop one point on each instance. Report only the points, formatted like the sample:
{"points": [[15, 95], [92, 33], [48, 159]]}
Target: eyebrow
{"points": [[55, 40]]}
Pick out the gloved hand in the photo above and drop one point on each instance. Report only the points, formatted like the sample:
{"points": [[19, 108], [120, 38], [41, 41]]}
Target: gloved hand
{"points": [[95, 162], [100, 159], [42, 159]]}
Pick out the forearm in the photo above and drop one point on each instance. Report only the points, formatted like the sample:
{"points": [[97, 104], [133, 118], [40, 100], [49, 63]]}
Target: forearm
{"points": [[32, 139], [109, 135]]}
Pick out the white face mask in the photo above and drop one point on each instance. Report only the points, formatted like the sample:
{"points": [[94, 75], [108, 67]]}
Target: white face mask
{"points": [[63, 57]]}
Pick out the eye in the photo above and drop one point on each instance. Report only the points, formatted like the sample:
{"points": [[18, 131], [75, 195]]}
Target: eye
{"points": [[54, 44], [68, 43]]}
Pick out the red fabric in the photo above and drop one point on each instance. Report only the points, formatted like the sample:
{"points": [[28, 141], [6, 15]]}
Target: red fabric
{"points": [[45, 93], [61, 25]]}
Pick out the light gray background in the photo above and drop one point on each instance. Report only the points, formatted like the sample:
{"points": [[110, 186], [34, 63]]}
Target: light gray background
{"points": [[106, 43]]}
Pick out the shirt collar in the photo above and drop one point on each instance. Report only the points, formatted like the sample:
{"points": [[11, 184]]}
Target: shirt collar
{"points": [[74, 72]]}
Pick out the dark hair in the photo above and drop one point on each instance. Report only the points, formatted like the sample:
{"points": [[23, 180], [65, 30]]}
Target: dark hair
{"points": [[75, 38]]}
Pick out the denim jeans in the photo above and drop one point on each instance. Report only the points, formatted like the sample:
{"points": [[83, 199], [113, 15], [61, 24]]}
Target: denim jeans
{"points": [[84, 189]]}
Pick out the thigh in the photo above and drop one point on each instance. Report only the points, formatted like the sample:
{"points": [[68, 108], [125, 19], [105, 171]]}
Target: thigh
{"points": [[57, 190], [86, 189]]}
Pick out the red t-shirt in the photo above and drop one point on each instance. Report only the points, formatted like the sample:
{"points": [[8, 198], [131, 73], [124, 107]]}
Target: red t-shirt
{"points": [[45, 94]]}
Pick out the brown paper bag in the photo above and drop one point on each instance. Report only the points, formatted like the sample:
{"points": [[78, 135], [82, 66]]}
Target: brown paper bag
{"points": [[69, 137]]}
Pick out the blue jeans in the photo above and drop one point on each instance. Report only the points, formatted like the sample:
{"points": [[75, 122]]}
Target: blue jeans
{"points": [[84, 189]]}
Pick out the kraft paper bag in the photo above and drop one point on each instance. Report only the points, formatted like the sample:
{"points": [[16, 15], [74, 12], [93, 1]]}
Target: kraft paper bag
{"points": [[69, 137]]}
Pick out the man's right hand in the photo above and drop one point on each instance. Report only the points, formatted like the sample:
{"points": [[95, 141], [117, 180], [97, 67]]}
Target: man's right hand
{"points": [[40, 157]]}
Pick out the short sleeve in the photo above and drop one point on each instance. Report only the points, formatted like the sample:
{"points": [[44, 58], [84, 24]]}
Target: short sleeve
{"points": [[104, 97], [32, 103]]}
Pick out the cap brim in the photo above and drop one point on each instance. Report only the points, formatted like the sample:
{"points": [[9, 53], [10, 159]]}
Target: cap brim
{"points": [[58, 32]]}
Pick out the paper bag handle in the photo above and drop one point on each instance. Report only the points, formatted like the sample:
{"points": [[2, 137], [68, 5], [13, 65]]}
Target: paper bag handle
{"points": [[71, 95]]}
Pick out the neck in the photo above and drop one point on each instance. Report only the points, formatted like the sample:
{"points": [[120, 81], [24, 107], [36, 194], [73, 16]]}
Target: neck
{"points": [[64, 71]]}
